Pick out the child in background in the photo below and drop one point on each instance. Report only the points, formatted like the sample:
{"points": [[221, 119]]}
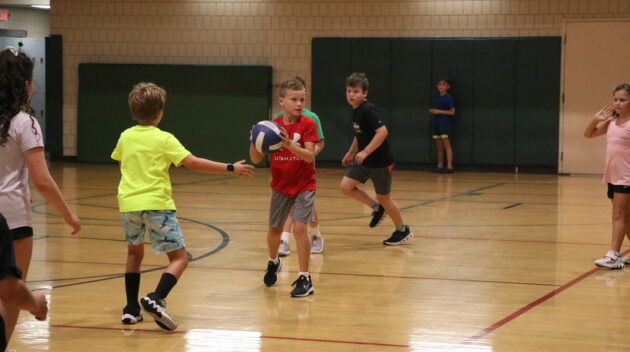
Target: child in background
{"points": [[370, 157], [443, 109], [292, 184], [145, 199], [613, 122]]}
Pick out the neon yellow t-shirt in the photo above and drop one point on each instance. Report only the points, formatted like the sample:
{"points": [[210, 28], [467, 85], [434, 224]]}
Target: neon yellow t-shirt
{"points": [[145, 154]]}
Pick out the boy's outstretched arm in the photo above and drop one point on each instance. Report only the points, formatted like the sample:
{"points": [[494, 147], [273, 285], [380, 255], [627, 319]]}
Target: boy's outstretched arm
{"points": [[212, 167], [377, 140]]}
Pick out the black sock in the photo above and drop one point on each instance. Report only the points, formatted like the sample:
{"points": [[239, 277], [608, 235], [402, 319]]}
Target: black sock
{"points": [[167, 282], [132, 286]]}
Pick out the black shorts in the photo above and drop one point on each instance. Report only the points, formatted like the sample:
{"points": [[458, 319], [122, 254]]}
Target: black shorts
{"points": [[381, 176], [3, 337], [7, 255], [19, 233], [612, 189]]}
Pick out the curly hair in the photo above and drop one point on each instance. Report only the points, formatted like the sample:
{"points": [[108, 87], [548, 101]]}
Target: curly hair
{"points": [[15, 69]]}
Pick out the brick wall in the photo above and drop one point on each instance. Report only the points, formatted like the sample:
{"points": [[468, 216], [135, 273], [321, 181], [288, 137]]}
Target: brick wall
{"points": [[278, 32]]}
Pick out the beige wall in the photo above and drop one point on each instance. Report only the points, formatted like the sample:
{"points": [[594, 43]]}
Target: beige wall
{"points": [[35, 22], [279, 32]]}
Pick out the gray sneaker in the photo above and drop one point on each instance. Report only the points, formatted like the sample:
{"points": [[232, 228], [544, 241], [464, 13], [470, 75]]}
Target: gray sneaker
{"points": [[317, 244], [284, 249]]}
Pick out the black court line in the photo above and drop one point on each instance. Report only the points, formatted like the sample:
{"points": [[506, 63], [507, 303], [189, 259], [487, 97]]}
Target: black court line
{"points": [[225, 240], [513, 205]]}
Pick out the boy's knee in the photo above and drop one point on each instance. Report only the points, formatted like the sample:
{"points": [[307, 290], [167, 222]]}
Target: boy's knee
{"points": [[346, 188]]}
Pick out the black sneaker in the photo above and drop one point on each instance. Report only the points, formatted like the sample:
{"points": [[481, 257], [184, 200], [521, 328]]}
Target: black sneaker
{"points": [[271, 276], [131, 316], [303, 287], [446, 170], [398, 237], [156, 308], [377, 216]]}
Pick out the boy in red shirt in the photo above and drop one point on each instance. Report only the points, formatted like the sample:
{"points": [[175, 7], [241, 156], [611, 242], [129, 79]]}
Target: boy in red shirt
{"points": [[292, 184]]}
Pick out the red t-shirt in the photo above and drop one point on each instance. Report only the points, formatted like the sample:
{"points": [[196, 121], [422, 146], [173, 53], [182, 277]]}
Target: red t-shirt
{"points": [[291, 175]]}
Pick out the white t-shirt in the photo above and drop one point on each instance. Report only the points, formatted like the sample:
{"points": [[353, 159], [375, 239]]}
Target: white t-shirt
{"points": [[24, 134]]}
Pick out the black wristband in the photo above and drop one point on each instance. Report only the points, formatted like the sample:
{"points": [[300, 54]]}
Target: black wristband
{"points": [[230, 168]]}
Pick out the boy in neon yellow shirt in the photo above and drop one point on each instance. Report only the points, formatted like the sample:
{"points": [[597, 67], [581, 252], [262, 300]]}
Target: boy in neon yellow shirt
{"points": [[145, 199]]}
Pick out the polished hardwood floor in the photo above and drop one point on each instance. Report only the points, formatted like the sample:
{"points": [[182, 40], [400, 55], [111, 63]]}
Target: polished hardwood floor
{"points": [[499, 262]]}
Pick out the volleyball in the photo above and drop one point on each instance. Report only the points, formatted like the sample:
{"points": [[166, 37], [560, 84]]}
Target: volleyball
{"points": [[266, 137]]}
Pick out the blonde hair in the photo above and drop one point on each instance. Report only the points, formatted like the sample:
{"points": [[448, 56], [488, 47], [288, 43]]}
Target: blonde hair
{"points": [[146, 100], [290, 84]]}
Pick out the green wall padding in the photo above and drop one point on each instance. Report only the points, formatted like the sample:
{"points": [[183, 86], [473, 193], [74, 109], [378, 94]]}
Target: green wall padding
{"points": [[410, 100], [537, 101], [210, 109], [506, 93], [54, 95], [332, 63], [493, 96]]}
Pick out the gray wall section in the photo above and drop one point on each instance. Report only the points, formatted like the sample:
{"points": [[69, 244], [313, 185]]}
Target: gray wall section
{"points": [[505, 89]]}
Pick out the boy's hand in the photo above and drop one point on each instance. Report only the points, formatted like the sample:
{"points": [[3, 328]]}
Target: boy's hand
{"points": [[347, 159], [73, 221], [285, 138], [42, 306], [243, 170], [431, 111], [361, 156], [605, 113]]}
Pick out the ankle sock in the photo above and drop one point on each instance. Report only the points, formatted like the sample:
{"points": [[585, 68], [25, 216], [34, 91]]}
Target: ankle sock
{"points": [[375, 206], [402, 227], [303, 273], [285, 236]]}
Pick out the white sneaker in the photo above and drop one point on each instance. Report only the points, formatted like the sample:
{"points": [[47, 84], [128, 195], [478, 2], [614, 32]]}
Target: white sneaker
{"points": [[317, 244], [611, 260], [284, 249]]}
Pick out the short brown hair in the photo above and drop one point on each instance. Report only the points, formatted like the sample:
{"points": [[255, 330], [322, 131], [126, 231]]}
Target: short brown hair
{"points": [[290, 84], [358, 79], [146, 100]]}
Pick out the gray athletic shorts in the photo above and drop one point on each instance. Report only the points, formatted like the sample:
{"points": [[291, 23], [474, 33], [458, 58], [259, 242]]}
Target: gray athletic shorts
{"points": [[302, 206], [381, 176]]}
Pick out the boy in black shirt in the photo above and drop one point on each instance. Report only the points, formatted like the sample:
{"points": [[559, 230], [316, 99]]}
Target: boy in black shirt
{"points": [[370, 157]]}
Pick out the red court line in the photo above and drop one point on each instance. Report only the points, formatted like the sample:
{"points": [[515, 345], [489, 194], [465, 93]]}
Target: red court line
{"points": [[321, 273], [180, 332], [531, 305]]}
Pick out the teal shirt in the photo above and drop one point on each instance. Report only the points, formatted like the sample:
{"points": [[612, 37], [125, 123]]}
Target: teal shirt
{"points": [[309, 113]]}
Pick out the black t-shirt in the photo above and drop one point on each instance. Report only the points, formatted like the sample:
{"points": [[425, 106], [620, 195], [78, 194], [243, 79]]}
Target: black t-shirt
{"points": [[365, 121]]}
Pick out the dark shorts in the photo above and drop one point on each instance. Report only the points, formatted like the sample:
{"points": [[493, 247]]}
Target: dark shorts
{"points": [[612, 189], [21, 232], [381, 176], [302, 206], [7, 255], [441, 128], [3, 337]]}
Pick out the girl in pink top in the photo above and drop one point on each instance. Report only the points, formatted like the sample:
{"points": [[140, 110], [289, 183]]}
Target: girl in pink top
{"points": [[614, 122]]}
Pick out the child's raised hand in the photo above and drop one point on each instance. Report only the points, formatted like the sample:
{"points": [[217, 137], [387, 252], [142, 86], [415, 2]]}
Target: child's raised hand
{"points": [[285, 138], [605, 113], [243, 170]]}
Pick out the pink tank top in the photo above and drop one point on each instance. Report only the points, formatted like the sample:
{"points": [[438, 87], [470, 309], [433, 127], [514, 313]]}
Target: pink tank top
{"points": [[617, 169]]}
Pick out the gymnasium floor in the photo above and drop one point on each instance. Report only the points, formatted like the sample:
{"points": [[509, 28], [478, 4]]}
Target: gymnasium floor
{"points": [[499, 262]]}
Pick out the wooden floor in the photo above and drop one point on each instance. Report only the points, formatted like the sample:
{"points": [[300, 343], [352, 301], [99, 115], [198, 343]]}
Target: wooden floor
{"points": [[499, 262]]}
